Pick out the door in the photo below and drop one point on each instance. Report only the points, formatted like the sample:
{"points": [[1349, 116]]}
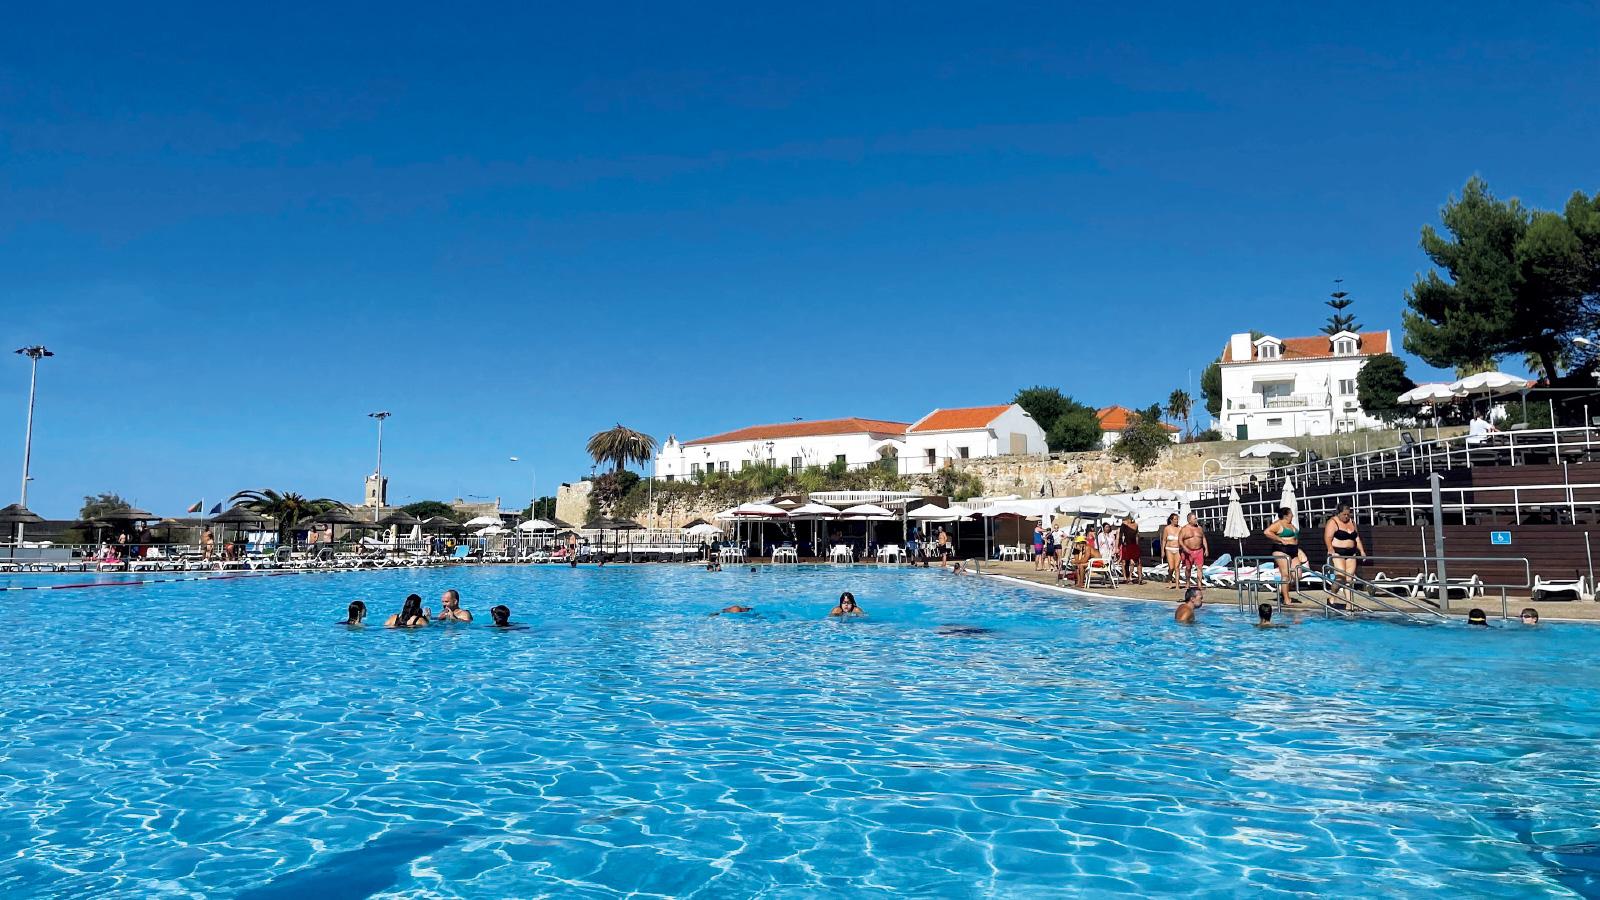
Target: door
{"points": [[1242, 431]]}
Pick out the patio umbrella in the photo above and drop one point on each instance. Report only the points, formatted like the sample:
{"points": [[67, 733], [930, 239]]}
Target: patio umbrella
{"points": [[814, 512], [397, 519], [1093, 506], [440, 523], [1430, 395], [337, 516], [704, 529], [131, 514], [17, 515], [1489, 384], [481, 521], [933, 512], [238, 515], [1266, 449], [1235, 526], [488, 530], [536, 525]]}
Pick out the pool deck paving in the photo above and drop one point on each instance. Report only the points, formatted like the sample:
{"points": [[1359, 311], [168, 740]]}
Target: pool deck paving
{"points": [[1159, 591]]}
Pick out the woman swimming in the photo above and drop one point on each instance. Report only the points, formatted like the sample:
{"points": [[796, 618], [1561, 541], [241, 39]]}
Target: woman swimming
{"points": [[1286, 552], [847, 606], [501, 615], [356, 614], [412, 615]]}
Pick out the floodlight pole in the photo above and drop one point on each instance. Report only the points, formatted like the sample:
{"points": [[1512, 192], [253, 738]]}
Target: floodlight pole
{"points": [[34, 353], [377, 508]]}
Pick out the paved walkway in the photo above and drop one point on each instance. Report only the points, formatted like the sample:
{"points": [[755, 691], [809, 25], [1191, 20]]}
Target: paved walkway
{"points": [[1158, 590]]}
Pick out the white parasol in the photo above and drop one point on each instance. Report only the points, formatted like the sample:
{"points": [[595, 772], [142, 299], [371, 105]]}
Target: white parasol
{"points": [[1266, 449]]}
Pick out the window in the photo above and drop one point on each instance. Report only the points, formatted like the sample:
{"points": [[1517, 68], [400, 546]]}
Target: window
{"points": [[839, 458], [1344, 347], [1347, 387], [1268, 351], [931, 457], [722, 466], [961, 452], [1274, 421], [744, 464], [796, 464], [672, 478], [694, 468]]}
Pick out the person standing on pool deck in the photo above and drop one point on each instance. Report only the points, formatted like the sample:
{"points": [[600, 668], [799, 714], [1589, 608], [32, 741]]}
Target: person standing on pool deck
{"points": [[1039, 544], [1170, 551], [1132, 564], [412, 615], [1285, 537], [942, 547], [913, 541], [1343, 542], [450, 608], [1193, 549], [847, 606]]}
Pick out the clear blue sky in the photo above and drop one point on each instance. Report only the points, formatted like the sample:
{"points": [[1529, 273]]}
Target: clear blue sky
{"points": [[242, 232]]}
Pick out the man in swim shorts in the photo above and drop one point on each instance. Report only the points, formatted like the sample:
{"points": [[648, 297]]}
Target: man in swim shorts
{"points": [[1193, 548]]}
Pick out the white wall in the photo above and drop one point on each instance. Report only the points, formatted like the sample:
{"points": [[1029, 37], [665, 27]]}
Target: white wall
{"points": [[994, 440], [1318, 405], [822, 450]]}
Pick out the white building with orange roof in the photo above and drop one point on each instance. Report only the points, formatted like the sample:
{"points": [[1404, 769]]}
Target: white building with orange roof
{"points": [[1286, 387], [973, 432], [853, 441], [1114, 420]]}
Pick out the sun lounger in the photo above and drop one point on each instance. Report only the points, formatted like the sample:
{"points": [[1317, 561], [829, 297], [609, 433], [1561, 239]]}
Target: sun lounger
{"points": [[1563, 589]]}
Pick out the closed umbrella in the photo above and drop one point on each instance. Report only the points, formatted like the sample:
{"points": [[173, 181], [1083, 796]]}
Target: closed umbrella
{"points": [[1235, 526], [1288, 501]]}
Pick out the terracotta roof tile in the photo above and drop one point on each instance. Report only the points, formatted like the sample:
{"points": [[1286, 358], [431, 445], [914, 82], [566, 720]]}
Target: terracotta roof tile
{"points": [[1118, 418], [964, 419], [821, 427], [1319, 347]]}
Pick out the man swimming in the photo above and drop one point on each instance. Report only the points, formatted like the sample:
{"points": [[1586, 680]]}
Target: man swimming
{"points": [[1264, 617], [1184, 614], [736, 608], [450, 608]]}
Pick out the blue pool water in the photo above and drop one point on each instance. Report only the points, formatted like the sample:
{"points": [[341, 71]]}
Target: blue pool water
{"points": [[227, 739]]}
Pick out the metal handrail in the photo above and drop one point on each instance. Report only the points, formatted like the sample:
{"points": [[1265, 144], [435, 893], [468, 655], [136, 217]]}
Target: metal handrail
{"points": [[1363, 586], [1238, 585]]}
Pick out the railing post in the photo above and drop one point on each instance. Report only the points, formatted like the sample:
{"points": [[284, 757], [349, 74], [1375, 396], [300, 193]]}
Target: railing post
{"points": [[1505, 611], [1435, 480]]}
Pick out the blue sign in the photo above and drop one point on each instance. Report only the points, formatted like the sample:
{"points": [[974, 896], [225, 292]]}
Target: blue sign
{"points": [[1500, 537]]}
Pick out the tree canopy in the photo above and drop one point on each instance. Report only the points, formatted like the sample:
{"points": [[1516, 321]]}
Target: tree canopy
{"points": [[288, 509], [1179, 404], [1380, 382], [619, 446], [1339, 301], [1514, 281], [1143, 442], [102, 503], [1211, 388], [427, 509], [1068, 425]]}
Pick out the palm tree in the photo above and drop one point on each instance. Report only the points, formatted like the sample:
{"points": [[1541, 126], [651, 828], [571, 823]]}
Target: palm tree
{"points": [[620, 446], [288, 509], [1179, 405]]}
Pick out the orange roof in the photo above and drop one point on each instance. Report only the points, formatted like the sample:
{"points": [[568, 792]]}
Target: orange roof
{"points": [[852, 425], [965, 419], [1319, 347], [1118, 418]]}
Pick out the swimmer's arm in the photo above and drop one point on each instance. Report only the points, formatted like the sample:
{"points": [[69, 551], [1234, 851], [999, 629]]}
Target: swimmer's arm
{"points": [[463, 615]]}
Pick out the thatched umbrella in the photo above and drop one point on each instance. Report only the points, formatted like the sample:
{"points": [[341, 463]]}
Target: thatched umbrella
{"points": [[16, 515]]}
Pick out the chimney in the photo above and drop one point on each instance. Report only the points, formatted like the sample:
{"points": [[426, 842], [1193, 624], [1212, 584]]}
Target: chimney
{"points": [[1239, 347]]}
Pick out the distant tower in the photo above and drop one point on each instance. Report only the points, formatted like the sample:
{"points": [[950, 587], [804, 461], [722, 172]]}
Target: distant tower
{"points": [[377, 494]]}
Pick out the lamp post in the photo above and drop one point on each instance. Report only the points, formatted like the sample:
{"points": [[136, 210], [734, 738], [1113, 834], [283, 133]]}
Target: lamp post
{"points": [[34, 353], [533, 490], [377, 508]]}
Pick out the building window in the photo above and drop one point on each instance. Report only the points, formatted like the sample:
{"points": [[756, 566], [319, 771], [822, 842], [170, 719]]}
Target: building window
{"points": [[1268, 351], [1347, 387], [838, 458], [1274, 421], [1344, 347], [672, 478], [961, 452], [744, 464], [931, 457], [796, 464], [722, 466], [694, 468]]}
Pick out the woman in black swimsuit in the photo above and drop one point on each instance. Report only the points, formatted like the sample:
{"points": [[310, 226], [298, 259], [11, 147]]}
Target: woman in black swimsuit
{"points": [[1343, 541]]}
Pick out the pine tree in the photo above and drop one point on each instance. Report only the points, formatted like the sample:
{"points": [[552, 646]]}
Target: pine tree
{"points": [[1339, 320]]}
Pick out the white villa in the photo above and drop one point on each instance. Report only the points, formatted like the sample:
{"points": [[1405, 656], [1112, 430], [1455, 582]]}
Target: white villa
{"points": [[1285, 387], [928, 444]]}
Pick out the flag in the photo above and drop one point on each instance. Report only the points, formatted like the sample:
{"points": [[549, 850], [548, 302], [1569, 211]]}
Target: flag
{"points": [[216, 510], [198, 505]]}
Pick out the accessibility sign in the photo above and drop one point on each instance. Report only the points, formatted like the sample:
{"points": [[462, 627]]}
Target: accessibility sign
{"points": [[1500, 538]]}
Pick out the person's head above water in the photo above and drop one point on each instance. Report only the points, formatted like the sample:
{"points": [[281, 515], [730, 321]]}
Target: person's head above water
{"points": [[356, 613], [847, 600], [451, 600], [411, 609], [1477, 617], [500, 614], [1529, 616], [1263, 612], [1191, 596]]}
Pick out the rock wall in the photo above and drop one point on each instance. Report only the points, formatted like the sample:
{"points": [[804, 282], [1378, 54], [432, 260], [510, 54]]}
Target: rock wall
{"points": [[572, 502]]}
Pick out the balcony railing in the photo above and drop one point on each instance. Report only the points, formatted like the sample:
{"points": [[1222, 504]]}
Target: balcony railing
{"points": [[1285, 401]]}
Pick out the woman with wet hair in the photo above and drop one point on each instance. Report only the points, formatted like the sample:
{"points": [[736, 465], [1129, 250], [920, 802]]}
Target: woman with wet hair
{"points": [[412, 615], [847, 606], [357, 613], [501, 615]]}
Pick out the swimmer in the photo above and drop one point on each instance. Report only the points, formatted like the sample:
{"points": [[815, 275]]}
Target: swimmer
{"points": [[1529, 616], [1477, 617], [501, 615], [1184, 615], [959, 569], [357, 613], [752, 570], [1264, 617], [412, 615], [847, 606], [736, 608], [450, 608]]}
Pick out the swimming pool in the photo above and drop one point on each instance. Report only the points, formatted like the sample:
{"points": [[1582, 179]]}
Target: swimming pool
{"points": [[226, 738]]}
